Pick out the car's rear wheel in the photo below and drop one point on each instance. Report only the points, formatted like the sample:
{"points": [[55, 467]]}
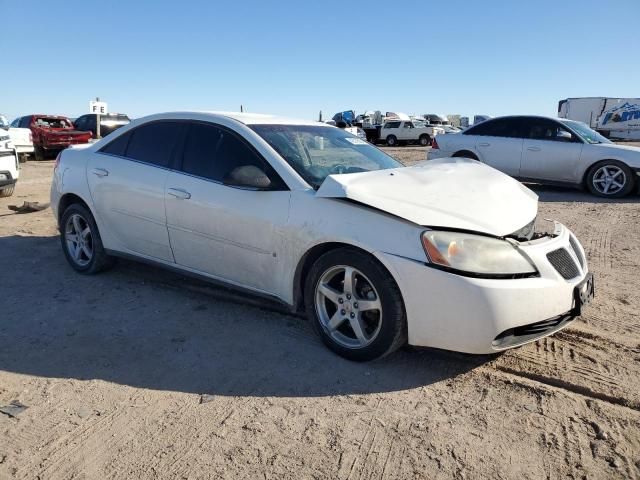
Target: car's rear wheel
{"points": [[465, 154], [610, 178], [81, 241], [392, 141], [38, 153], [425, 140], [7, 191], [355, 305]]}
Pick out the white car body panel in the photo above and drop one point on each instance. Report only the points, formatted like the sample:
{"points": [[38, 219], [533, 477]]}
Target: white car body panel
{"points": [[130, 202], [474, 199], [258, 239], [243, 244]]}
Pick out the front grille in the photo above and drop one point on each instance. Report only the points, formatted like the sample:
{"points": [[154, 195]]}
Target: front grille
{"points": [[533, 331], [563, 263], [537, 328], [576, 249]]}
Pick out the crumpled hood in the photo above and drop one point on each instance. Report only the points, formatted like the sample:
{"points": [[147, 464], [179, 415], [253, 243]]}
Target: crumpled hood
{"points": [[447, 192]]}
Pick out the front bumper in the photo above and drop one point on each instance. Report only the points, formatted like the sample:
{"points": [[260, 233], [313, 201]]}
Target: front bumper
{"points": [[479, 315]]}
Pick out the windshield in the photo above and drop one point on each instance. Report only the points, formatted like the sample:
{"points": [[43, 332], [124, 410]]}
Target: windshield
{"points": [[584, 132], [316, 152]]}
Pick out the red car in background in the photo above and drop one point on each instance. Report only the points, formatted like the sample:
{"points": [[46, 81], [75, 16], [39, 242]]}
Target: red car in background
{"points": [[52, 133]]}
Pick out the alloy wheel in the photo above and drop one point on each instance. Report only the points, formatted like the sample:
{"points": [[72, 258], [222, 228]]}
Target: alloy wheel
{"points": [[609, 179], [79, 240], [348, 306]]}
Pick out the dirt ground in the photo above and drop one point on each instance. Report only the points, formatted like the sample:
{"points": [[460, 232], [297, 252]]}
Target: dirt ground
{"points": [[140, 373]]}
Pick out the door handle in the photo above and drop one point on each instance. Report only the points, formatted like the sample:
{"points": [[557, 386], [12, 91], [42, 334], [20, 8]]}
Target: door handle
{"points": [[100, 172], [533, 149], [484, 144], [179, 193]]}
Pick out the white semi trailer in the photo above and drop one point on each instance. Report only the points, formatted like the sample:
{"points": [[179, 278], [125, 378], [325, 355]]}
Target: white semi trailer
{"points": [[612, 117]]}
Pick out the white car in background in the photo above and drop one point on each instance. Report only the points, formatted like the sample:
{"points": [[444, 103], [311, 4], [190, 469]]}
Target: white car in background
{"points": [[444, 254], [9, 165], [395, 132], [20, 137], [547, 150]]}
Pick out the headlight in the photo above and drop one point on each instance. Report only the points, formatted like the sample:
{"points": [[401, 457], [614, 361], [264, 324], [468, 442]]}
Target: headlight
{"points": [[475, 255]]}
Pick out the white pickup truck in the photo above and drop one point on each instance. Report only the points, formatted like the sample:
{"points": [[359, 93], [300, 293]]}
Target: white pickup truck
{"points": [[20, 137], [9, 166], [396, 132]]}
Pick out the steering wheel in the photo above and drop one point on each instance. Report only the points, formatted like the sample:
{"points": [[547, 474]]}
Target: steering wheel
{"points": [[339, 169]]}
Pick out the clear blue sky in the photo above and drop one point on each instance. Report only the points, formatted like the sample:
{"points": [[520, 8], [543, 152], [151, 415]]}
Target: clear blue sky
{"points": [[298, 57]]}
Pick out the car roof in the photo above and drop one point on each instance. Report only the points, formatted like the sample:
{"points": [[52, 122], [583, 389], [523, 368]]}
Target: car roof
{"points": [[260, 118]]}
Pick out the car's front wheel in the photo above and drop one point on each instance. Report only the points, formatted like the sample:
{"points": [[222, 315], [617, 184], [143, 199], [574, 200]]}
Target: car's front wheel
{"points": [[425, 140], [355, 305], [7, 191], [610, 178], [81, 241]]}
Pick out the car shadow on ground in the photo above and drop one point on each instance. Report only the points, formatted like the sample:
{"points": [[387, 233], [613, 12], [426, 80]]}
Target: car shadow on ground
{"points": [[145, 327], [549, 193]]}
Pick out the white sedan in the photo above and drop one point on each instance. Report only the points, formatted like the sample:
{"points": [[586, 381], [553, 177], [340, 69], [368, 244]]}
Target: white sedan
{"points": [[547, 150], [442, 254]]}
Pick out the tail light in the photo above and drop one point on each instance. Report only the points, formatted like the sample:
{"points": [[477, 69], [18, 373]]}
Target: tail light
{"points": [[434, 144], [30, 137]]}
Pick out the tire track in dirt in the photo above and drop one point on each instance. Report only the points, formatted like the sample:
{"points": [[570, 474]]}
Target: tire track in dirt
{"points": [[90, 445], [573, 365]]}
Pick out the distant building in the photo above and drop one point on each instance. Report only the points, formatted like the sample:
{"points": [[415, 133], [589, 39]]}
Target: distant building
{"points": [[454, 120]]}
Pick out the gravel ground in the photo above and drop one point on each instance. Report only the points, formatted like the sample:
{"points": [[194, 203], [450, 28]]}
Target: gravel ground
{"points": [[140, 373]]}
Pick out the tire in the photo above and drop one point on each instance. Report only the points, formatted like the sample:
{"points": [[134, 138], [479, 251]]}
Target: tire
{"points": [[383, 329], [39, 153], [7, 191], [425, 140], [82, 262], [610, 179], [23, 157], [392, 141], [465, 154]]}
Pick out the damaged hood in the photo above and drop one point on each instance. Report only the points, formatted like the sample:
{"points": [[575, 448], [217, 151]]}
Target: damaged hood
{"points": [[447, 192]]}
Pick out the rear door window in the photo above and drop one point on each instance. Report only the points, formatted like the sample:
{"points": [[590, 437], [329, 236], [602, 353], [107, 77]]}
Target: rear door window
{"points": [[118, 146], [500, 127], [154, 142]]}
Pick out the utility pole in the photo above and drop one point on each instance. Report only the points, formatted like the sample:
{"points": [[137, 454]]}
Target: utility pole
{"points": [[320, 116], [241, 109], [98, 122]]}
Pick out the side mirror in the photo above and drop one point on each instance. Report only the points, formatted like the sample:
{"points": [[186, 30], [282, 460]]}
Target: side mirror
{"points": [[248, 176], [564, 136]]}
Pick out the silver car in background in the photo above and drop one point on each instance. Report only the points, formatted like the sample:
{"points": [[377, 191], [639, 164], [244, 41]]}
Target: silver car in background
{"points": [[547, 150]]}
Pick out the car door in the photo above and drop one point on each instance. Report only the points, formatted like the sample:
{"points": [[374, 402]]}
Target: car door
{"points": [[499, 143], [550, 152], [407, 131], [231, 233], [127, 183]]}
